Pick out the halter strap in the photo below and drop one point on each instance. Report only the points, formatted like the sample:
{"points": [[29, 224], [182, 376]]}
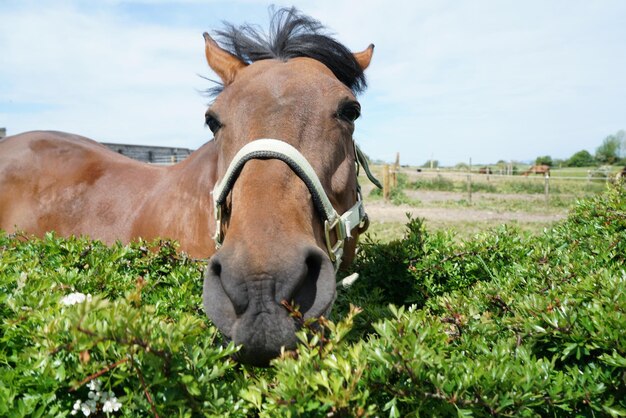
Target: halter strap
{"points": [[264, 149]]}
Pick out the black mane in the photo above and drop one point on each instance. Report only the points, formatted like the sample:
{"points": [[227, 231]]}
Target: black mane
{"points": [[292, 35]]}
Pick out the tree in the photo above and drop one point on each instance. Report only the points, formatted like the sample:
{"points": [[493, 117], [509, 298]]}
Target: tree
{"points": [[431, 164], [544, 160], [581, 159], [611, 149], [621, 135]]}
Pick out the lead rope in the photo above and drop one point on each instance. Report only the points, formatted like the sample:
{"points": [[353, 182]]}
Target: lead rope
{"points": [[361, 158], [347, 281]]}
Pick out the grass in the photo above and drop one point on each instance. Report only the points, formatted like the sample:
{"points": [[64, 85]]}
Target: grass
{"points": [[386, 232], [491, 196], [498, 204], [495, 194]]}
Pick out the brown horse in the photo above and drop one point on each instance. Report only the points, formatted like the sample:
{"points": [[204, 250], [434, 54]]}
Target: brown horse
{"points": [[279, 241], [537, 169]]}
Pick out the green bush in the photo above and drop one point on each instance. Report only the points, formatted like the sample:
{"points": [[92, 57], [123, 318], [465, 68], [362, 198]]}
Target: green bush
{"points": [[503, 324], [582, 158], [141, 335]]}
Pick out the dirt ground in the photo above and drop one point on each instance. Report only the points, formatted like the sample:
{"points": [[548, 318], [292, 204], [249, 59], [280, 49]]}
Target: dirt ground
{"points": [[379, 211]]}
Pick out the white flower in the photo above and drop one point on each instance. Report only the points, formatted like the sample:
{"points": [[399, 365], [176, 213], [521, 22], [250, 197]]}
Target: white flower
{"points": [[93, 405], [111, 405], [94, 395], [74, 298], [97, 399], [94, 385], [76, 407], [86, 409]]}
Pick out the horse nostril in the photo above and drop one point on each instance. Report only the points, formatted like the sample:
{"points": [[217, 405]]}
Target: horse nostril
{"points": [[313, 266], [305, 294], [216, 268]]}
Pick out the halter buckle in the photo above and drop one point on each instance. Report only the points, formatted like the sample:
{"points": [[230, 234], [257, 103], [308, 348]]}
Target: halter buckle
{"points": [[335, 251]]}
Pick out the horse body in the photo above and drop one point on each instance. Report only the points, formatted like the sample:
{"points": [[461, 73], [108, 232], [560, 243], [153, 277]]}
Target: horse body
{"points": [[296, 87], [537, 169], [75, 186]]}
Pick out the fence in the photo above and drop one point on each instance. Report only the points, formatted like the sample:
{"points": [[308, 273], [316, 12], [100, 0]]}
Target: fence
{"points": [[476, 180]]}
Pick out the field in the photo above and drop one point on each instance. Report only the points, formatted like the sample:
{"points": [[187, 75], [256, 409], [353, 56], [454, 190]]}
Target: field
{"points": [[508, 322], [442, 199]]}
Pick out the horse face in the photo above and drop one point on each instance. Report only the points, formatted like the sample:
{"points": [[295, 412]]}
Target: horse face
{"points": [[273, 253]]}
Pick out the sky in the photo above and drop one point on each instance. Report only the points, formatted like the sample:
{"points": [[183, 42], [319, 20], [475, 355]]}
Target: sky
{"points": [[449, 80]]}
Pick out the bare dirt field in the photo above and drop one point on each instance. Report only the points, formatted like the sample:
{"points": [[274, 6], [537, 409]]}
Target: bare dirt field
{"points": [[452, 211], [381, 212]]}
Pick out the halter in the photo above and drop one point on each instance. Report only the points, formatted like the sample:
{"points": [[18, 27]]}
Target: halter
{"points": [[263, 149]]}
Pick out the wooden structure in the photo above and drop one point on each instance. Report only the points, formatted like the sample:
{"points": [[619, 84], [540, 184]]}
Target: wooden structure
{"points": [[150, 153]]}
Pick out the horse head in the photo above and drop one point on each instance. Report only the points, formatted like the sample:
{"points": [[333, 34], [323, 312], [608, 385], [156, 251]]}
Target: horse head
{"points": [[287, 200]]}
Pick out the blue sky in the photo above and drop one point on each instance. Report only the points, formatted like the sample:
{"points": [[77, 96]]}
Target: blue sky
{"points": [[451, 80]]}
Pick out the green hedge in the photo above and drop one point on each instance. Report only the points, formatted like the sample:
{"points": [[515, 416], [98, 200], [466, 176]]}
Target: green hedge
{"points": [[504, 324]]}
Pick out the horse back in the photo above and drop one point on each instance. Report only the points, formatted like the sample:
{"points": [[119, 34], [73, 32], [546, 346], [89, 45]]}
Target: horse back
{"points": [[70, 184]]}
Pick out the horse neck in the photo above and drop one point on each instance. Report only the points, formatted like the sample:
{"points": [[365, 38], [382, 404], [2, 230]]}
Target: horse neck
{"points": [[197, 173], [181, 206]]}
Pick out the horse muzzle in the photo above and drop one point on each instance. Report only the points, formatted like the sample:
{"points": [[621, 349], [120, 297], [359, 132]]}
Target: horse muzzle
{"points": [[248, 301]]}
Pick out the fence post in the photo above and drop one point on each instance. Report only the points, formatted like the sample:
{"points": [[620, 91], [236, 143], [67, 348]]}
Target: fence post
{"points": [[386, 182], [546, 188], [394, 171], [469, 182]]}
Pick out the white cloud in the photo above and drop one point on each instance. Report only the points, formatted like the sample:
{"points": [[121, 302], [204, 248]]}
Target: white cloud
{"points": [[100, 75], [486, 79], [480, 79]]}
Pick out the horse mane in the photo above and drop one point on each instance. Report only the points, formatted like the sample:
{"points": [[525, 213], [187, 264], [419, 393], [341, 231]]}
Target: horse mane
{"points": [[291, 34]]}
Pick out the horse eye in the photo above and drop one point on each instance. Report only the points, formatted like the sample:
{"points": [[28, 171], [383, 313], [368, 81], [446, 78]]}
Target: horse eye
{"points": [[349, 111], [213, 123]]}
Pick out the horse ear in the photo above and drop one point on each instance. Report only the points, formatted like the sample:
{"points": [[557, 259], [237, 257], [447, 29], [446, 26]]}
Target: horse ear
{"points": [[364, 57], [225, 64]]}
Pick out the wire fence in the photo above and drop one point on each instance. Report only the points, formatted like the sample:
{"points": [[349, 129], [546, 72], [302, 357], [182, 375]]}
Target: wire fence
{"points": [[590, 176], [479, 180]]}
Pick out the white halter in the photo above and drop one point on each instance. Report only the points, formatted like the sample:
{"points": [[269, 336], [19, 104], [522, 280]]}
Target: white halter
{"points": [[275, 149]]}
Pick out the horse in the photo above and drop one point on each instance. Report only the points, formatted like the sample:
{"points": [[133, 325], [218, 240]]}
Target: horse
{"points": [[272, 200], [538, 169], [485, 170]]}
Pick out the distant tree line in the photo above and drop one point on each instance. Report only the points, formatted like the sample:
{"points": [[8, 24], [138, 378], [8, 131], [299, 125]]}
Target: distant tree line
{"points": [[611, 151]]}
